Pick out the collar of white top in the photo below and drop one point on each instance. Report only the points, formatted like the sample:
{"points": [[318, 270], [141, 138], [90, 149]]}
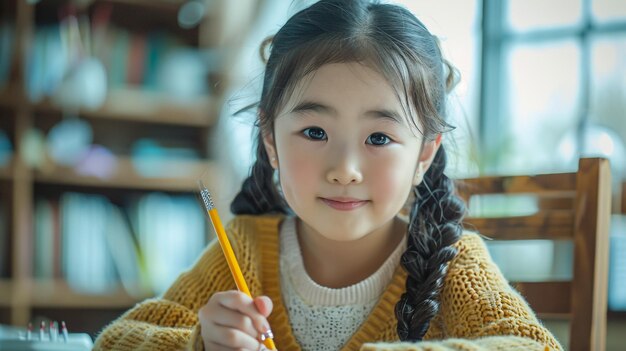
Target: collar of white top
{"points": [[312, 293]]}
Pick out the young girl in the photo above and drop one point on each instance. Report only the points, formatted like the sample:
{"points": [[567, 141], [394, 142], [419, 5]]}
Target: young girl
{"points": [[350, 121]]}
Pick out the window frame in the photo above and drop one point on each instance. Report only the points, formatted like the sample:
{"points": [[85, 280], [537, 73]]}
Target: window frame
{"points": [[495, 36]]}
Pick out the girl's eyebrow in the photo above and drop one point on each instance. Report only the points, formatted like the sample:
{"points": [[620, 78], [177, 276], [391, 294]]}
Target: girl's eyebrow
{"points": [[308, 105]]}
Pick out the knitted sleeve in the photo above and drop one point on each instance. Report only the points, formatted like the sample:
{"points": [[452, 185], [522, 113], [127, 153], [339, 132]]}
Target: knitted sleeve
{"points": [[479, 310], [171, 321]]}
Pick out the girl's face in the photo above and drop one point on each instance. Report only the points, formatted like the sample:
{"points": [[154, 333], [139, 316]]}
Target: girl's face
{"points": [[347, 158]]}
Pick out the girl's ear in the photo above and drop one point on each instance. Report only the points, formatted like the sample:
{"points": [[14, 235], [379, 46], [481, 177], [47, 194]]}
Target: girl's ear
{"points": [[429, 150], [268, 143], [270, 148]]}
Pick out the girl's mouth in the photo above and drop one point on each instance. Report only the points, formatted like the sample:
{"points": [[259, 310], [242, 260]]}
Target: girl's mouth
{"points": [[344, 204]]}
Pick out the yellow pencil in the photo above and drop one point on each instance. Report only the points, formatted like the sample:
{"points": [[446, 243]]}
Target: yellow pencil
{"points": [[229, 254]]}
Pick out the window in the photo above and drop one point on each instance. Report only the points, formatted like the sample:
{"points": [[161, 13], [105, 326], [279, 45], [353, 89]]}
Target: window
{"points": [[553, 72]]}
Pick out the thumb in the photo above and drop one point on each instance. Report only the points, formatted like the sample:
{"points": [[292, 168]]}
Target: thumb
{"points": [[264, 305]]}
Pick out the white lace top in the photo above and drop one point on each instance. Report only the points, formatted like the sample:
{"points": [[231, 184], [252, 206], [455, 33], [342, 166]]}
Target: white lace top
{"points": [[324, 319]]}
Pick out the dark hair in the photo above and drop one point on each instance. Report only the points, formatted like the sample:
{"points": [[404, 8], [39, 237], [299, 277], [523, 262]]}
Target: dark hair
{"points": [[391, 40]]}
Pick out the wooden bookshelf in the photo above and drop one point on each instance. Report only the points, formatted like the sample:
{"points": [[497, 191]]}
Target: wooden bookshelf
{"points": [[128, 111], [56, 293], [126, 177], [170, 5], [141, 106]]}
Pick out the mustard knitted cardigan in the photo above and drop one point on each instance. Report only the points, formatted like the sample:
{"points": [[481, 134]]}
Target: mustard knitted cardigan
{"points": [[479, 311]]}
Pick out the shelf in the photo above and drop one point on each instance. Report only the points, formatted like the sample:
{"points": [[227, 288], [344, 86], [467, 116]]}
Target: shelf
{"points": [[57, 293], [127, 178], [141, 106], [135, 105], [169, 4]]}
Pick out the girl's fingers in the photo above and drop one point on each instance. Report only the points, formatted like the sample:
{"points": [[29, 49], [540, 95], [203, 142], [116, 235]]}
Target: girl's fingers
{"points": [[237, 301], [264, 305], [237, 320], [225, 338], [233, 320]]}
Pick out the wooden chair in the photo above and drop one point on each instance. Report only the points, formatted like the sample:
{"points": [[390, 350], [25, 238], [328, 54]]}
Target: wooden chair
{"points": [[573, 206]]}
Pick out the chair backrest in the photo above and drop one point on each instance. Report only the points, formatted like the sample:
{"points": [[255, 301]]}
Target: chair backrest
{"points": [[571, 206]]}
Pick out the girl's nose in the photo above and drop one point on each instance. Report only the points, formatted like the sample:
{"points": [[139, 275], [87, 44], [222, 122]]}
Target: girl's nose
{"points": [[345, 170]]}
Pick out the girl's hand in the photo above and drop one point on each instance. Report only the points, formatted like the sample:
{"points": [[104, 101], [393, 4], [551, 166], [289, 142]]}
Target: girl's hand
{"points": [[231, 320]]}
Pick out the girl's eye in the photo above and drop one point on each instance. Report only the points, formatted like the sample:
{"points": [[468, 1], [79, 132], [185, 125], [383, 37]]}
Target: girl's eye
{"points": [[378, 139], [315, 133]]}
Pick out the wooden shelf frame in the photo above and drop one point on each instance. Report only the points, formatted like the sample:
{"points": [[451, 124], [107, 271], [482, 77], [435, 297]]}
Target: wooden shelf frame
{"points": [[56, 293], [126, 105], [126, 177], [167, 4], [140, 106]]}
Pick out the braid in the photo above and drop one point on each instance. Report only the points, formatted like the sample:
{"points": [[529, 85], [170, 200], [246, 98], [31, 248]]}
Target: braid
{"points": [[435, 225], [258, 194]]}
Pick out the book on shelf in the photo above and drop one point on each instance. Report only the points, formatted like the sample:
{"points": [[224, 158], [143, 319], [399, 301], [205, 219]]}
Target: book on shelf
{"points": [[130, 59], [47, 240], [136, 58], [4, 242], [87, 263], [6, 149], [98, 245], [126, 254], [46, 63], [7, 35], [617, 264], [171, 233]]}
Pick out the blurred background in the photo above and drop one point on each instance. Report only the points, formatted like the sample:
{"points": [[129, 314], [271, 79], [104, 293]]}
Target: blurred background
{"points": [[110, 110]]}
